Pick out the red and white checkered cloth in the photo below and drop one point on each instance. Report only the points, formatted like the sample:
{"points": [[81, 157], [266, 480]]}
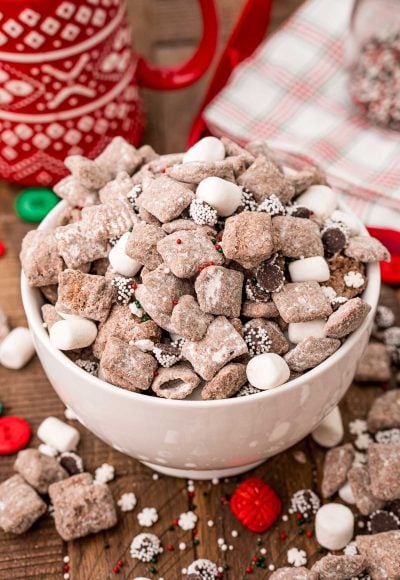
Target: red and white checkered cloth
{"points": [[293, 93]]}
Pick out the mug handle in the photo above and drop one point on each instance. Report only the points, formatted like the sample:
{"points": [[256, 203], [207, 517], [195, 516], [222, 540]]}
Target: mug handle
{"points": [[180, 76]]}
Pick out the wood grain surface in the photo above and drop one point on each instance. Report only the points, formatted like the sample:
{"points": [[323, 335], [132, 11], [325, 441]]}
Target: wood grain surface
{"points": [[166, 31]]}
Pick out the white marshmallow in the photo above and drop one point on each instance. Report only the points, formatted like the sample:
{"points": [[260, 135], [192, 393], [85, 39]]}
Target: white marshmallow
{"points": [[308, 269], [350, 220], [224, 196], [17, 349], [320, 199], [346, 494], [266, 371], [334, 526], [120, 261], [73, 333], [329, 432], [298, 331], [59, 435], [207, 149]]}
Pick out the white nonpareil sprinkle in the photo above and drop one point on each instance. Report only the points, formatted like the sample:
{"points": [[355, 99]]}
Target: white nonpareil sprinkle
{"points": [[45, 449], [182, 546], [66, 559], [351, 549], [210, 523], [358, 426], [224, 547], [329, 292], [271, 567], [234, 533], [155, 476], [263, 551], [66, 576], [147, 517], [297, 557], [390, 436], [215, 481], [127, 501], [230, 547], [353, 279], [220, 541], [187, 520], [70, 415], [104, 473], [285, 518]]}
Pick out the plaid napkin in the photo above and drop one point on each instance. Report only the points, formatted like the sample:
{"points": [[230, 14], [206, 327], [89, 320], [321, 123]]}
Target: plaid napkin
{"points": [[293, 93]]}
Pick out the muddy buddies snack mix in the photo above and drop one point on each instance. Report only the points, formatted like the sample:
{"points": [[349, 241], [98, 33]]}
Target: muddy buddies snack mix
{"points": [[172, 274]]}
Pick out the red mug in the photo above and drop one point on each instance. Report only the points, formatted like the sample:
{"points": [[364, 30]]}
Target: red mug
{"points": [[69, 82]]}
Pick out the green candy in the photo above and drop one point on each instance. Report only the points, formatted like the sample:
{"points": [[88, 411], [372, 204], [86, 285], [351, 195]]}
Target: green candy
{"points": [[1, 408], [34, 203]]}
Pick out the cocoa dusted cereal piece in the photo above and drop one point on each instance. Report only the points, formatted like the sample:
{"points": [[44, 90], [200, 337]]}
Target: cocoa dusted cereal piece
{"points": [[40, 260], [119, 156], [232, 149], [122, 324], [337, 463], [263, 178], [305, 178], [360, 483], [301, 302], [252, 309], [127, 366], [196, 171], [39, 470], [20, 505], [114, 218], [264, 336], [332, 567], [184, 252], [165, 198], [189, 320], [226, 382], [219, 291], [384, 470], [80, 243], [75, 193], [87, 172], [147, 153], [176, 382], [69, 215], [311, 352], [382, 553], [142, 245], [221, 344], [374, 364], [50, 315], [366, 249], [148, 218], [82, 506], [296, 237], [117, 189], [50, 292], [84, 295], [247, 238], [385, 412], [165, 287], [162, 162], [290, 573], [347, 318], [149, 303]]}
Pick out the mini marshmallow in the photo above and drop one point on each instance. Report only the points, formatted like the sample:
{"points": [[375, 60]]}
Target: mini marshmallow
{"points": [[266, 371], [334, 526], [120, 261], [315, 268], [329, 432], [17, 349], [224, 196], [298, 331], [349, 219], [207, 149], [346, 494], [59, 435], [73, 333], [320, 199]]}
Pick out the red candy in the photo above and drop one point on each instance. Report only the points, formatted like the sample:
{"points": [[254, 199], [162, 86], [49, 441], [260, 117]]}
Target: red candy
{"points": [[14, 434], [255, 505], [2, 249]]}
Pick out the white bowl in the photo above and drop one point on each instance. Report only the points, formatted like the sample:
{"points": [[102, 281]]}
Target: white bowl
{"points": [[200, 439]]}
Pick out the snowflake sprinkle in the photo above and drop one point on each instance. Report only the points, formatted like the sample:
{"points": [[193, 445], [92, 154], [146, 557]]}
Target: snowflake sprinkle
{"points": [[127, 502], [147, 517], [351, 549], [104, 473], [358, 426], [297, 557], [353, 279], [187, 520]]}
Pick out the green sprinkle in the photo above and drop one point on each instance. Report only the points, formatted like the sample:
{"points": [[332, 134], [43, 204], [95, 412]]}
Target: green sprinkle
{"points": [[220, 250], [1, 408], [214, 241], [145, 318], [137, 303], [196, 542], [153, 570]]}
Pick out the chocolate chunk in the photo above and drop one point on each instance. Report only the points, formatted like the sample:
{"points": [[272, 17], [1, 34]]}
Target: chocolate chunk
{"points": [[71, 462], [383, 521], [300, 211]]}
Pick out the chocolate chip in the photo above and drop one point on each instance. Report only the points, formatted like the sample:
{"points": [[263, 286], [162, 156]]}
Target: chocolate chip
{"points": [[300, 212], [334, 240], [71, 462], [383, 521], [270, 277]]}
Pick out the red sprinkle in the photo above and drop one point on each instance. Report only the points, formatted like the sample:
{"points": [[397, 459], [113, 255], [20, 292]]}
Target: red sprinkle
{"points": [[282, 536], [178, 241], [219, 238], [309, 534], [120, 563], [175, 301], [255, 505], [191, 493], [66, 567], [175, 522], [134, 286], [195, 532], [299, 516], [255, 558], [2, 249], [217, 247], [249, 570], [79, 207], [15, 433], [220, 575], [116, 569], [155, 374], [170, 548]]}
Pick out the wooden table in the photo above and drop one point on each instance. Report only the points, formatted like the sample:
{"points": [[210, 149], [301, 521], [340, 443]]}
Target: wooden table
{"points": [[39, 553]]}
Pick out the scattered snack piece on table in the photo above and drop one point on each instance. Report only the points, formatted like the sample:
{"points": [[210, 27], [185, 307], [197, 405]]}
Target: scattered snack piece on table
{"points": [[39, 470], [337, 463], [58, 434], [374, 364], [255, 505], [15, 434], [17, 348], [203, 248], [334, 526], [21, 506]]}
